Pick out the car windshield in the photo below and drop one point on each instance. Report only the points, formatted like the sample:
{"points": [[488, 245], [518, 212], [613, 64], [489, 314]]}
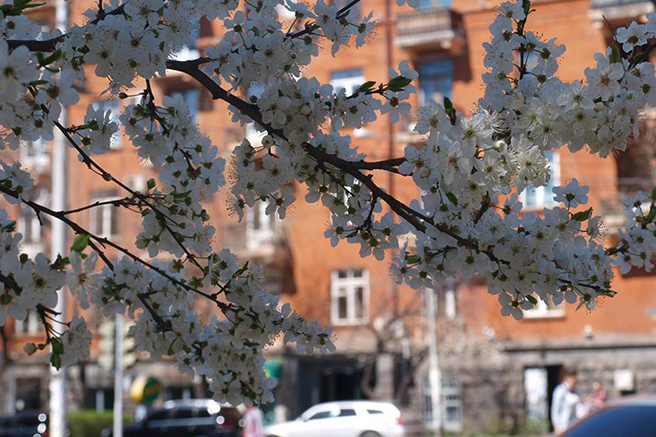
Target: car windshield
{"points": [[630, 420]]}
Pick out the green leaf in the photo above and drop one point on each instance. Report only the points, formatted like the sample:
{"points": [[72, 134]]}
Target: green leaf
{"points": [[398, 83], [54, 57], [582, 216], [615, 56], [9, 227], [452, 198], [60, 262], [366, 86], [57, 346], [653, 195], [448, 104], [651, 216], [55, 360], [412, 259], [527, 6], [532, 299], [80, 243], [34, 5]]}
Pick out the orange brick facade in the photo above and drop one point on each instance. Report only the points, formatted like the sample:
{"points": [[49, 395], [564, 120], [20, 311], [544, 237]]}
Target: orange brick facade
{"points": [[301, 263]]}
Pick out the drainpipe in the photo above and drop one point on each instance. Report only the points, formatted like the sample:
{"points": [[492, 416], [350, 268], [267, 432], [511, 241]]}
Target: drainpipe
{"points": [[57, 386]]}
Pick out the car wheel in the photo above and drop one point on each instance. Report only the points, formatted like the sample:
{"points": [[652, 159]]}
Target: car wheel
{"points": [[370, 434]]}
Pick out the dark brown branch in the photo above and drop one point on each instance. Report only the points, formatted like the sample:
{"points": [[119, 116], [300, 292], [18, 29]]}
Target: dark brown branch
{"points": [[49, 45], [103, 241], [353, 168], [115, 202]]}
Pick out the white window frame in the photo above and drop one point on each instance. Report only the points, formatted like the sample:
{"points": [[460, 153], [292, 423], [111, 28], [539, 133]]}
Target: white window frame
{"points": [[39, 160], [266, 231], [350, 84], [108, 211], [543, 199], [544, 311], [32, 322], [449, 388], [452, 397], [114, 107], [450, 304], [30, 244], [35, 236], [346, 287]]}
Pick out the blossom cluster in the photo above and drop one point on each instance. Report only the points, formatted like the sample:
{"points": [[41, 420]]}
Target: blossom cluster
{"points": [[470, 171]]}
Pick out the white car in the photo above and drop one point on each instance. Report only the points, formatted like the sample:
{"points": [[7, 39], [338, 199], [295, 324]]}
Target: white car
{"points": [[343, 419]]}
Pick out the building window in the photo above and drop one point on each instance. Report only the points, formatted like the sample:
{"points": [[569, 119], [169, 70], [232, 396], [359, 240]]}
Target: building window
{"points": [[540, 197], [112, 106], [104, 220], [191, 96], [349, 290], [99, 399], [34, 154], [545, 310], [31, 325], [450, 304], [451, 405], [253, 135], [435, 80], [29, 226], [433, 4], [260, 227], [189, 52], [349, 80]]}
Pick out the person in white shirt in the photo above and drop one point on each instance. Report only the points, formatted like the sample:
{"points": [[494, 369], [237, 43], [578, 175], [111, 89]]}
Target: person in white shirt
{"points": [[565, 403]]}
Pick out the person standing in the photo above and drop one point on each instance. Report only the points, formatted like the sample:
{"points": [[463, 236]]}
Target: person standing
{"points": [[253, 426], [597, 398], [566, 403]]}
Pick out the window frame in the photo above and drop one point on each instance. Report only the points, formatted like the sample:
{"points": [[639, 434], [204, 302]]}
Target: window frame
{"points": [[542, 197], [108, 216], [191, 96], [426, 5], [30, 326], [445, 64], [452, 387], [349, 82], [39, 159], [116, 142], [543, 311], [266, 230], [35, 235], [346, 287]]}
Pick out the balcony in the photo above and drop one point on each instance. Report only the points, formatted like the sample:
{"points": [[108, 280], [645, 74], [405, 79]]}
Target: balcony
{"points": [[261, 244], [438, 28], [618, 10]]}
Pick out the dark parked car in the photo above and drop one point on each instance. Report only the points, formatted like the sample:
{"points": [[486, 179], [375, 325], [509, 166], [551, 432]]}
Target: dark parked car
{"points": [[24, 424], [190, 418], [633, 416]]}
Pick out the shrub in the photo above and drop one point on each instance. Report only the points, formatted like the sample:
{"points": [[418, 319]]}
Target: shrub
{"points": [[90, 423]]}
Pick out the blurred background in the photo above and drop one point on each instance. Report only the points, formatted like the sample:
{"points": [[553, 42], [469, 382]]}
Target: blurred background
{"points": [[444, 356]]}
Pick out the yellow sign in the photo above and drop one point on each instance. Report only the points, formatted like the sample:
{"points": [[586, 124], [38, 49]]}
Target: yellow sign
{"points": [[145, 390]]}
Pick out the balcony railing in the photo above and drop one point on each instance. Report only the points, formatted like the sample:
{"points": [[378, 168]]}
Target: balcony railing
{"points": [[619, 9], [596, 4], [428, 28]]}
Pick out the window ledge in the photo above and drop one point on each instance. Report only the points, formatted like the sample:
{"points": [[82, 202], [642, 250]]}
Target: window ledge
{"points": [[362, 322], [549, 314]]}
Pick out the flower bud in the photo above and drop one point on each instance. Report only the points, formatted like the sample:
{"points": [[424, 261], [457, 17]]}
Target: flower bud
{"points": [[29, 348]]}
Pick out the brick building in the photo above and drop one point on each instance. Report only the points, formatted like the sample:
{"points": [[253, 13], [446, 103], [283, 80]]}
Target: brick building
{"points": [[497, 373]]}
